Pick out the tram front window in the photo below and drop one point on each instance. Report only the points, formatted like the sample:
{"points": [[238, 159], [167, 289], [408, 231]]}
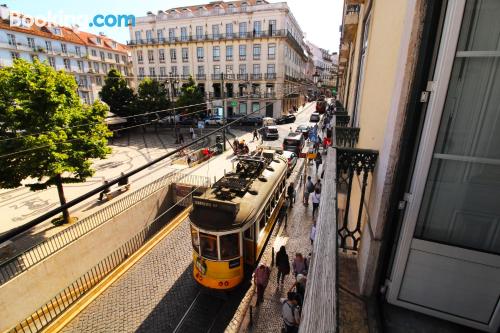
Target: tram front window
{"points": [[195, 240], [229, 246], [208, 246]]}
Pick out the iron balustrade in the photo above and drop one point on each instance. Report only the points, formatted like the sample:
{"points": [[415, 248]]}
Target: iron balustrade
{"points": [[201, 76], [342, 120], [346, 136], [351, 162], [256, 77], [270, 76], [242, 76]]}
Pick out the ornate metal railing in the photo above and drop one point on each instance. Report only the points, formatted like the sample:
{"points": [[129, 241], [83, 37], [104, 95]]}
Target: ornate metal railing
{"points": [[346, 136], [351, 162], [342, 120]]}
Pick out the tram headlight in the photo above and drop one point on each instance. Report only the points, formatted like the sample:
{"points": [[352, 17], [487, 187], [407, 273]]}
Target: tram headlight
{"points": [[220, 283]]}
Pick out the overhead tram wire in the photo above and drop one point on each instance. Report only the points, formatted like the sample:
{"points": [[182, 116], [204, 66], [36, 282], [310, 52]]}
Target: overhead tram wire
{"points": [[116, 130], [16, 231]]}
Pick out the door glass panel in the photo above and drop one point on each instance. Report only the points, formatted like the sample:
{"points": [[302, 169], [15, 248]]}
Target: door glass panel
{"points": [[461, 202]]}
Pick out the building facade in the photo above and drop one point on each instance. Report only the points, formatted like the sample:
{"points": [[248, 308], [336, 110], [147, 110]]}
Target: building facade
{"points": [[249, 51], [87, 56], [419, 81], [324, 66]]}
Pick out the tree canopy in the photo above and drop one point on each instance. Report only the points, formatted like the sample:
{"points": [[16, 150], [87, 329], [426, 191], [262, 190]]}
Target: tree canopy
{"points": [[49, 137], [152, 96], [190, 95], [118, 95]]}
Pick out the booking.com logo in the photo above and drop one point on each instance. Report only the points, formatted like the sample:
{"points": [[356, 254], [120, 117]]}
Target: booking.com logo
{"points": [[18, 19]]}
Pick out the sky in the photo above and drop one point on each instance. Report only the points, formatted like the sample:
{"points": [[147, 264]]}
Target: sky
{"points": [[319, 19]]}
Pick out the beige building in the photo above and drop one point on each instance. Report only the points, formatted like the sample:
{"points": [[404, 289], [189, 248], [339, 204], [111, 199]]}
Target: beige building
{"points": [[419, 83], [252, 51], [87, 56], [325, 64]]}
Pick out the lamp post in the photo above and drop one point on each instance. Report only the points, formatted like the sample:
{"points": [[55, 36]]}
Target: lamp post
{"points": [[316, 78]]}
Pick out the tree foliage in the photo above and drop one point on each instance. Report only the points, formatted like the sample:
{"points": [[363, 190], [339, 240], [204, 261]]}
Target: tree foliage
{"points": [[190, 95], [152, 96], [48, 136], [118, 95]]}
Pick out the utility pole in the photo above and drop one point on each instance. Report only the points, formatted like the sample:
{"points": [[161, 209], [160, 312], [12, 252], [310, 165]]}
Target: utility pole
{"points": [[223, 112]]}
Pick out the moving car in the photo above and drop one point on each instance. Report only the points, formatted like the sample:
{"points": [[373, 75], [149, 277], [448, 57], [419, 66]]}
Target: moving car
{"points": [[304, 129], [189, 121], [269, 132], [268, 121], [214, 120], [315, 117], [294, 142], [169, 120], [292, 160], [286, 119]]}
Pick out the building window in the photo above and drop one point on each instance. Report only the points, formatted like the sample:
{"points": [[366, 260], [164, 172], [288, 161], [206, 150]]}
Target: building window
{"points": [[256, 69], [174, 70], [256, 52], [272, 28], [201, 70], [110, 55], [96, 67], [199, 32], [117, 58], [173, 55], [216, 53], [243, 69], [102, 55], [141, 72], [163, 72], [31, 42], [184, 34], [243, 108], [185, 55], [229, 69], [15, 55], [243, 52], [137, 35], [98, 81], [151, 56], [124, 59], [152, 72], [159, 34], [229, 30], [271, 69], [216, 69], [244, 7], [48, 46], [243, 29], [67, 64], [271, 51], [185, 70], [64, 48], [215, 31], [104, 68], [171, 34], [149, 36], [161, 55], [139, 57], [52, 62], [12, 39], [199, 53], [93, 52], [80, 65], [229, 52], [255, 107], [257, 28]]}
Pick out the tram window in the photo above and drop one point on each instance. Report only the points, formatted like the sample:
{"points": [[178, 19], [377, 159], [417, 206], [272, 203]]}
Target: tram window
{"points": [[249, 233], [195, 240], [262, 222], [229, 246], [208, 246]]}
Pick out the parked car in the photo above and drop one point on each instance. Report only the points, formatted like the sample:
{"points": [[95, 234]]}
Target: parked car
{"points": [[268, 121], [315, 117], [169, 120], [287, 119], [231, 118], [292, 158], [189, 121], [294, 142], [304, 129], [251, 121], [214, 120], [269, 132]]}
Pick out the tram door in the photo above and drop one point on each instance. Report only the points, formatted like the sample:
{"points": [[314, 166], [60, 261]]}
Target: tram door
{"points": [[249, 246]]}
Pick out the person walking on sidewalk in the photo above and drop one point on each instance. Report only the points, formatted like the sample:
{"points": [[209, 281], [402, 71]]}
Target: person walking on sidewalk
{"points": [[316, 196], [261, 279], [191, 131], [255, 135], [290, 313], [308, 189], [290, 191], [312, 236], [181, 138], [299, 264], [318, 186], [318, 160], [283, 264]]}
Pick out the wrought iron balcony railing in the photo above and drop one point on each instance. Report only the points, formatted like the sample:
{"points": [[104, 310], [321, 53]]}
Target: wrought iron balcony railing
{"points": [[256, 76], [346, 136], [201, 76], [342, 120]]}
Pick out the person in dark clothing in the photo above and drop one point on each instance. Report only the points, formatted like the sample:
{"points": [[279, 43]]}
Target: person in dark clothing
{"points": [[255, 135], [181, 138], [290, 191], [105, 191], [283, 264]]}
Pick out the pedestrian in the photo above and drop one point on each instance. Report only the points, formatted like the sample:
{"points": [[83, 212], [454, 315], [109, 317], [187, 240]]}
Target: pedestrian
{"points": [[191, 131], [290, 191], [318, 186], [312, 236], [318, 160], [188, 161], [255, 135], [308, 189], [299, 264], [105, 191], [300, 288], [261, 279], [291, 129], [316, 196], [290, 313], [181, 138], [283, 213], [283, 264]]}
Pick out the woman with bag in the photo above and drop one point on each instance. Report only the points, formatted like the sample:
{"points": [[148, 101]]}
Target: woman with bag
{"points": [[283, 264]]}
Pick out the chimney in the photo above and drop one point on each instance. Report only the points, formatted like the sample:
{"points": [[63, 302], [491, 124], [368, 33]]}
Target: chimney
{"points": [[4, 12], [102, 34]]}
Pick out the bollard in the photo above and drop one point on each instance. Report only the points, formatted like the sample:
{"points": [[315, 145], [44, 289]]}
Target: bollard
{"points": [[251, 317], [272, 256]]}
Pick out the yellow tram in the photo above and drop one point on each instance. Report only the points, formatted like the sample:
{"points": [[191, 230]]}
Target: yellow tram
{"points": [[231, 221]]}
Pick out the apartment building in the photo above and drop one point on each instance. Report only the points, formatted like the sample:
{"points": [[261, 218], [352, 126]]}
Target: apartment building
{"points": [[250, 51], [86, 56], [325, 64], [419, 84]]}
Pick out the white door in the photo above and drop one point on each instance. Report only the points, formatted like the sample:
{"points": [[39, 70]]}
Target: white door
{"points": [[448, 258]]}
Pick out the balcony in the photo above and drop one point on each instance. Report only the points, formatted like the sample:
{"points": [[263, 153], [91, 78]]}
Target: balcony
{"points": [[185, 77], [271, 94], [201, 77], [270, 76], [217, 77], [243, 77], [256, 77]]}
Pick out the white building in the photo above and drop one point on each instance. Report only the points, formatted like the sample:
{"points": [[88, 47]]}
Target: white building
{"points": [[88, 57], [325, 64], [251, 49]]}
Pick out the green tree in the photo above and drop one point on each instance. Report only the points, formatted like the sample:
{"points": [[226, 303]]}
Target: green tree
{"points": [[49, 136], [152, 96], [190, 95], [118, 95]]}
